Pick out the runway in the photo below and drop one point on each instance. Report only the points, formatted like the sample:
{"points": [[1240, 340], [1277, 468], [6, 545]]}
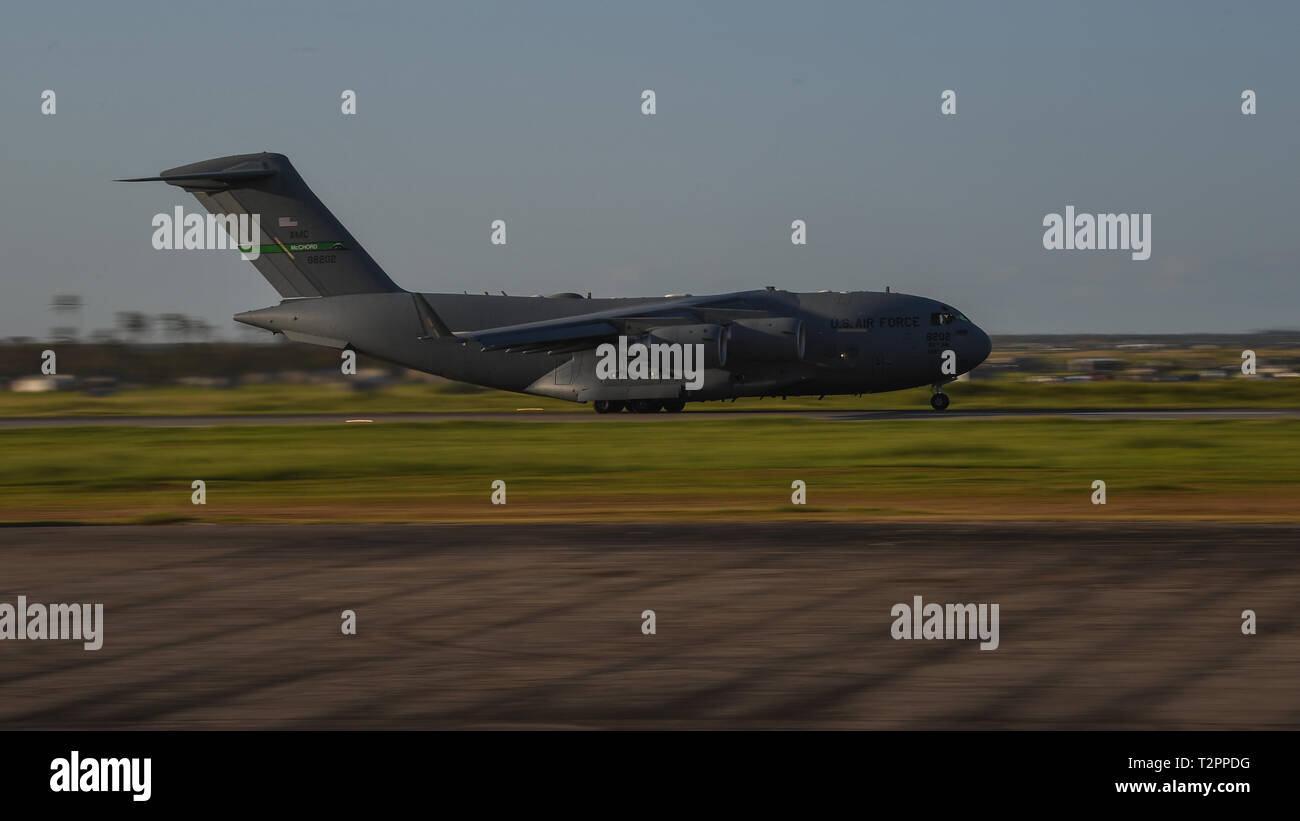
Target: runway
{"points": [[586, 415], [757, 626]]}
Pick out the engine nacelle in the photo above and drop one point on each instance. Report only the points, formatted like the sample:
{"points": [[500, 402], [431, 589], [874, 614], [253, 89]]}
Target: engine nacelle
{"points": [[768, 339], [712, 337]]}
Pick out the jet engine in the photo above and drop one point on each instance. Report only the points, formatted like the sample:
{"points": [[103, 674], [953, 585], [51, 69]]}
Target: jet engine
{"points": [[712, 337]]}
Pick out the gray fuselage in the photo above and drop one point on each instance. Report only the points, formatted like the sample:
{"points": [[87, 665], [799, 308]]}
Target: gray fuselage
{"points": [[856, 342]]}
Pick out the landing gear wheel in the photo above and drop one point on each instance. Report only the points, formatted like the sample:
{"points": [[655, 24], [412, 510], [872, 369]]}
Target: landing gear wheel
{"points": [[939, 401], [674, 405], [607, 406], [644, 405]]}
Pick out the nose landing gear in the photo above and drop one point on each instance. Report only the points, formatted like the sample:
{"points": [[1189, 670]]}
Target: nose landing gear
{"points": [[939, 400]]}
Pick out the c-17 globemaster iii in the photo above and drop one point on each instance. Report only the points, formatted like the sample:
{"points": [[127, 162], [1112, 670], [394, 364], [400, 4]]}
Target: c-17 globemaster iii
{"points": [[766, 342]]}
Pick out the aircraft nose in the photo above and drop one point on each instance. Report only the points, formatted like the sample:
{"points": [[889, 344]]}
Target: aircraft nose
{"points": [[981, 345]]}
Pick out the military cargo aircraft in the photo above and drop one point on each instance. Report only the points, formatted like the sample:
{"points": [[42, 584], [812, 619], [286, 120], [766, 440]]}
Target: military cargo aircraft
{"points": [[765, 342]]}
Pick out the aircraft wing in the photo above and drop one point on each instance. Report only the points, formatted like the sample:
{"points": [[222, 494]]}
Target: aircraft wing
{"points": [[582, 331]]}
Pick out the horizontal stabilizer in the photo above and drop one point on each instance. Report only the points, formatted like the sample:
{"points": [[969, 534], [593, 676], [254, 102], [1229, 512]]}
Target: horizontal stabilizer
{"points": [[207, 180]]}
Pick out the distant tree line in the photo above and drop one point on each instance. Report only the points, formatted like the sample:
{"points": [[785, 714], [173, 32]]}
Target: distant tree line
{"points": [[158, 364]]}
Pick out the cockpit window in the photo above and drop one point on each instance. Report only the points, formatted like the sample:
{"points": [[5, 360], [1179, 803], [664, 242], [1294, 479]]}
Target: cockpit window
{"points": [[947, 316]]}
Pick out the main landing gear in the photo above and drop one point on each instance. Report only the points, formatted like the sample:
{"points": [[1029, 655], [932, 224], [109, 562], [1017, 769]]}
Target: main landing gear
{"points": [[639, 405], [939, 399]]}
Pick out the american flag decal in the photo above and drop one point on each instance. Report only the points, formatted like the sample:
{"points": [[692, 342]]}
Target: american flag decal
{"points": [[288, 222]]}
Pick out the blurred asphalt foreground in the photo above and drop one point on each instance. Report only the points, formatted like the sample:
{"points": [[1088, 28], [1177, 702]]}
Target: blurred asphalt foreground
{"points": [[1112, 625]]}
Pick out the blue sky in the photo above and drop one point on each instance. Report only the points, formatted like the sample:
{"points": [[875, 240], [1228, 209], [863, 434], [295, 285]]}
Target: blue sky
{"points": [[530, 112]]}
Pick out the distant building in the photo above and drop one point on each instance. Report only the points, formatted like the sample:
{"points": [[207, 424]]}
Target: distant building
{"points": [[42, 384], [205, 382], [1095, 364]]}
